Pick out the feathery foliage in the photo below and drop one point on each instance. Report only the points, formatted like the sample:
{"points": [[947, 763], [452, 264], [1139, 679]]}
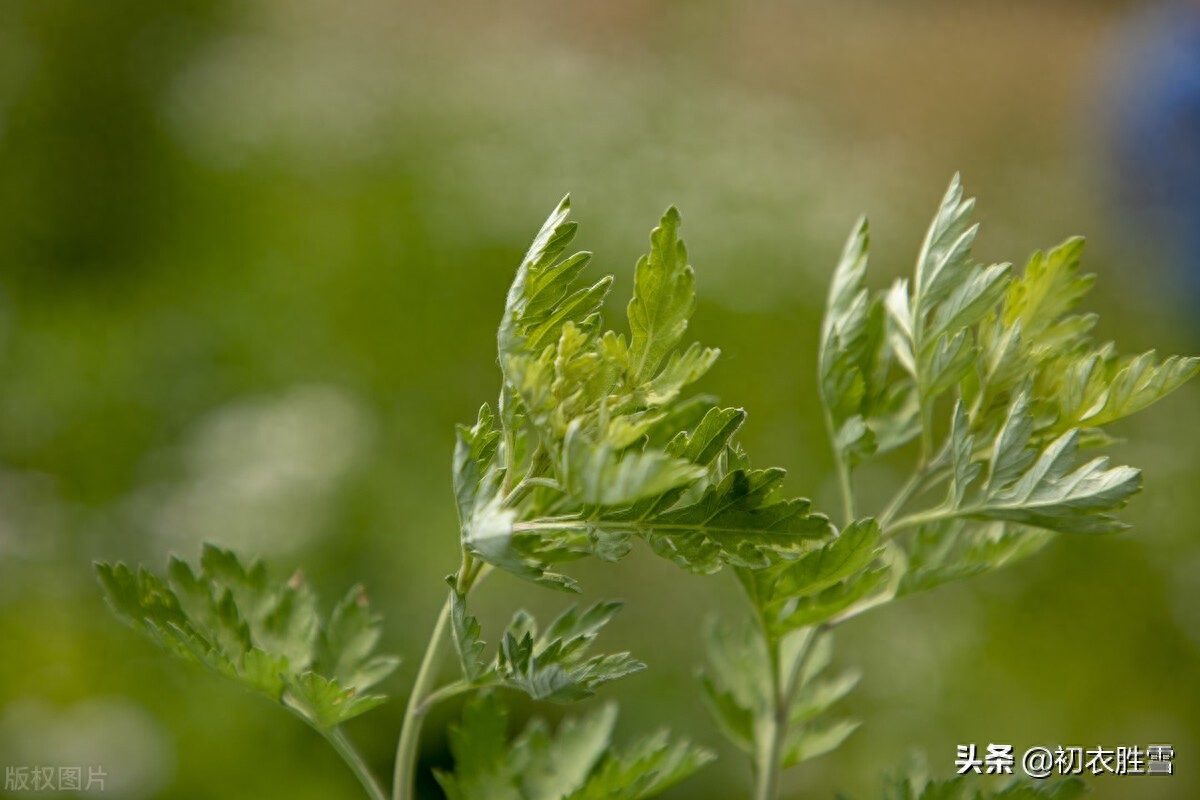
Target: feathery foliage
{"points": [[989, 376]]}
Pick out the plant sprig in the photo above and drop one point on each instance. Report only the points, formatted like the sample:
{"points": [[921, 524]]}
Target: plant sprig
{"points": [[992, 380]]}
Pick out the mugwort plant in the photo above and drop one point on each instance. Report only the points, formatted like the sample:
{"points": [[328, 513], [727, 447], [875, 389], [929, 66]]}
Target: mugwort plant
{"points": [[988, 376]]}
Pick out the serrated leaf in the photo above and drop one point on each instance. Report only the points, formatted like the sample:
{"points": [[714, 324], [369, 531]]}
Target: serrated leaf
{"points": [[577, 762], [846, 289], [965, 468], [269, 637], [1138, 384], [560, 765], [901, 334], [949, 360], [736, 522], [466, 638], [817, 740], [977, 294], [483, 766], [325, 703], [553, 666], [818, 696], [594, 473], [648, 767], [950, 550], [1011, 453], [903, 786], [736, 682], [682, 368], [735, 721], [1053, 496], [825, 605], [348, 642], [1041, 488], [711, 436], [664, 296], [541, 283], [943, 259], [486, 523], [854, 360], [1047, 290], [853, 550]]}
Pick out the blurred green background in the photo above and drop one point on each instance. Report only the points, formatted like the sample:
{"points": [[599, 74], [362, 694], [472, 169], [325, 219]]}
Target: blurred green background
{"points": [[251, 260]]}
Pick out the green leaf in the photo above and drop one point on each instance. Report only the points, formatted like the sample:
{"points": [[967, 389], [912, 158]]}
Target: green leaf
{"points": [[810, 742], [466, 638], [348, 641], [1055, 495], [1138, 383], [912, 784], [943, 259], [483, 766], [852, 551], [737, 691], [486, 522], [577, 762], [712, 435], [736, 683], [1049, 288], [814, 609], [855, 360], [267, 636], [818, 696], [325, 703], [970, 301], [1011, 454], [538, 302], [951, 550], [553, 666], [560, 764], [648, 767], [965, 468], [585, 415], [1036, 487], [736, 522], [594, 473], [664, 296], [475, 468]]}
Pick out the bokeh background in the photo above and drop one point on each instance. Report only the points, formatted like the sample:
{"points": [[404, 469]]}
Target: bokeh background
{"points": [[252, 256]]}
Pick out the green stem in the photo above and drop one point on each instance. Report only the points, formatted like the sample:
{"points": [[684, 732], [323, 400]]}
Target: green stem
{"points": [[404, 778], [446, 692], [924, 517], [927, 475], [903, 496], [847, 489], [424, 697], [766, 761], [842, 468], [766, 777], [355, 761]]}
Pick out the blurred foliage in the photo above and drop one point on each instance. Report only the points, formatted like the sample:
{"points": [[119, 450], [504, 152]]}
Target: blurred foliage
{"points": [[251, 263]]}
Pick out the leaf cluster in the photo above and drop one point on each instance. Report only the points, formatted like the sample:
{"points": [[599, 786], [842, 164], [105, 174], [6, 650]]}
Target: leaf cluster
{"points": [[1012, 367], [577, 762], [911, 782], [597, 441], [594, 443], [269, 637], [553, 665], [738, 690]]}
